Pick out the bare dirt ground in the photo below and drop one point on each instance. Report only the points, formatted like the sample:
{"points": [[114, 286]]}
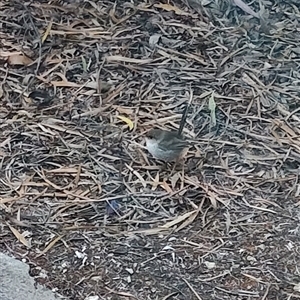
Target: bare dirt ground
{"points": [[82, 201]]}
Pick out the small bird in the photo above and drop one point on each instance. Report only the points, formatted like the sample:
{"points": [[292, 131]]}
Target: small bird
{"points": [[166, 145]]}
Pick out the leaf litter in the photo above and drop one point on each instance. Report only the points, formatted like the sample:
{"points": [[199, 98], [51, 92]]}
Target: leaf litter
{"points": [[81, 83]]}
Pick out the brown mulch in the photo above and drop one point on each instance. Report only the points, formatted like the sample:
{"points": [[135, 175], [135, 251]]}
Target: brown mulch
{"points": [[83, 203]]}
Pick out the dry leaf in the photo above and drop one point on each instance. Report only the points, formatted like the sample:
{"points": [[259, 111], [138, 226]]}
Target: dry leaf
{"points": [[246, 8], [138, 175], [127, 121], [297, 287], [212, 108], [165, 186], [210, 265], [50, 245], [188, 221], [6, 54], [1, 91], [19, 59], [112, 15], [213, 199], [63, 170], [150, 231], [19, 236], [169, 7], [46, 32], [155, 183], [128, 59], [174, 179], [154, 39], [84, 63], [179, 219]]}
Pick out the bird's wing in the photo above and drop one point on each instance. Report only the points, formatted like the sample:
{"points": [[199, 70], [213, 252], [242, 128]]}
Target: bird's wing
{"points": [[176, 143]]}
